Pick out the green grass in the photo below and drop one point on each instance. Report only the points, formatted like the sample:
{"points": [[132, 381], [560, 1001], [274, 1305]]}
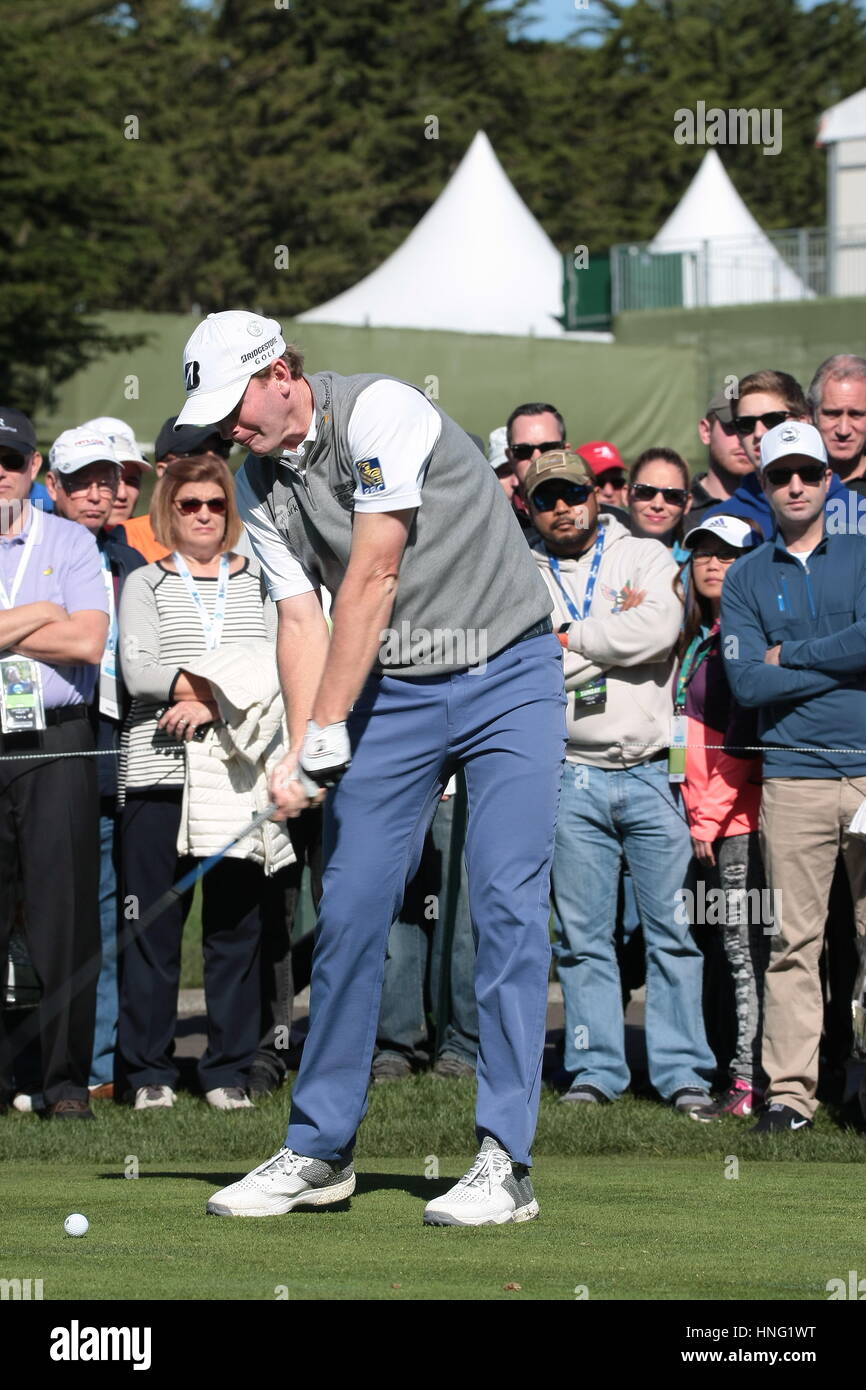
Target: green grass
{"points": [[635, 1204], [655, 1229], [418, 1117]]}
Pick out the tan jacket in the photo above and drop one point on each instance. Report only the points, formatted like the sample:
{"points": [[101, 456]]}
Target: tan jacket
{"points": [[632, 649], [226, 782]]}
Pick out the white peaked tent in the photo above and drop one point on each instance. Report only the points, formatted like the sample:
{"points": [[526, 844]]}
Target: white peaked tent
{"points": [[477, 262], [726, 258]]}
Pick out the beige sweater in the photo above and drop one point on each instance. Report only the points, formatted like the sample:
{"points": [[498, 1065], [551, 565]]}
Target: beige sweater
{"points": [[632, 649]]}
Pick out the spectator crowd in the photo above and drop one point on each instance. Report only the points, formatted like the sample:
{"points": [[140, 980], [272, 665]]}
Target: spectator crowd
{"points": [[714, 653]]}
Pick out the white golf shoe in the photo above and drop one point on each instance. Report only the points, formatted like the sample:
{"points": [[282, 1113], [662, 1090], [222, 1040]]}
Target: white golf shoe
{"points": [[228, 1098], [494, 1191], [285, 1181], [154, 1098]]}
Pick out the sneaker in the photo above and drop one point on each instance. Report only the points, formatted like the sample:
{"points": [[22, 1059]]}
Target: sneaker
{"points": [[587, 1095], [285, 1181], [388, 1066], [741, 1099], [778, 1117], [494, 1191], [154, 1098], [228, 1098], [690, 1098], [69, 1109], [450, 1065]]}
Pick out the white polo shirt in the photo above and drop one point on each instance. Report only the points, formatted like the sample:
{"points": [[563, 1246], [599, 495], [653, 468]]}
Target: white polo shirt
{"points": [[391, 423]]}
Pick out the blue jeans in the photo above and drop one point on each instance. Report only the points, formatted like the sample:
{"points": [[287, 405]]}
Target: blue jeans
{"points": [[604, 816], [105, 1034], [416, 938], [505, 725]]}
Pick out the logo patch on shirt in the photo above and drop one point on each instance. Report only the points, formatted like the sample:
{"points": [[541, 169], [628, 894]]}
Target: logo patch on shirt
{"points": [[370, 476], [617, 597]]}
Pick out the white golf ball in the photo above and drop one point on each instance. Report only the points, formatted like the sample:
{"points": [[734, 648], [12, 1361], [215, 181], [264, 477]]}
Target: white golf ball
{"points": [[76, 1224]]}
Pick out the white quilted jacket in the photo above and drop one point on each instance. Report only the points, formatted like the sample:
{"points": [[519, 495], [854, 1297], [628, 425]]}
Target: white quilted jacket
{"points": [[226, 782]]}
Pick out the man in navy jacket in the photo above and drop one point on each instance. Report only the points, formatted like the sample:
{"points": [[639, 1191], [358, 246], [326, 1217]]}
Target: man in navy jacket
{"points": [[794, 641]]}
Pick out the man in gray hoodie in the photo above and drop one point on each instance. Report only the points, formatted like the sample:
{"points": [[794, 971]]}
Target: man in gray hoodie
{"points": [[617, 613]]}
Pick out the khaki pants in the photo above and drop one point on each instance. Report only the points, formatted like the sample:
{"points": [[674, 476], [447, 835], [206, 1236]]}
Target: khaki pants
{"points": [[804, 820]]}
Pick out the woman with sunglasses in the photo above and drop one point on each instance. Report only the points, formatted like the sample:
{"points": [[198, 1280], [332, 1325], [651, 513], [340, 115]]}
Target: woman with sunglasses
{"points": [[201, 596], [659, 497], [722, 798]]}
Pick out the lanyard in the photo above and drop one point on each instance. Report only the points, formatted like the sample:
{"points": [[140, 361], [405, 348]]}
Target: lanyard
{"points": [[590, 583], [211, 627], [8, 600], [111, 643], [696, 652]]}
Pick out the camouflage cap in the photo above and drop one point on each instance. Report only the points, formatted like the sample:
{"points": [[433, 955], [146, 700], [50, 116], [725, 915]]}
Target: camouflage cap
{"points": [[562, 464]]}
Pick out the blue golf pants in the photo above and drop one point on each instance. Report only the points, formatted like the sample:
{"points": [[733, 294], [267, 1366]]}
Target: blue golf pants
{"points": [[505, 724]]}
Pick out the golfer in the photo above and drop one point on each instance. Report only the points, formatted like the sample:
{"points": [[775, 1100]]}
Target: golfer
{"points": [[441, 656]]}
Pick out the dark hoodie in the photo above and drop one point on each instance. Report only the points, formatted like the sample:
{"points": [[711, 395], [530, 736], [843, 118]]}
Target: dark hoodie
{"points": [[750, 503]]}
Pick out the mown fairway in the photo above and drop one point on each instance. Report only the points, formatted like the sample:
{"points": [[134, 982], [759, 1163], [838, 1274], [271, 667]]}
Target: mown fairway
{"points": [[635, 1204]]}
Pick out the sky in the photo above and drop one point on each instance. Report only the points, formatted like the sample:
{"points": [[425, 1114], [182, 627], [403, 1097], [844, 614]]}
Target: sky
{"points": [[556, 19]]}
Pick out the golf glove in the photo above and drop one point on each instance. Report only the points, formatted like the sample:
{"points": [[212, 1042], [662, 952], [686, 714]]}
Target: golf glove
{"points": [[325, 754]]}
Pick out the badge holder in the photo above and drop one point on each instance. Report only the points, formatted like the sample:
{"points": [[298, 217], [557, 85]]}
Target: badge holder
{"points": [[677, 750], [592, 694], [21, 708]]}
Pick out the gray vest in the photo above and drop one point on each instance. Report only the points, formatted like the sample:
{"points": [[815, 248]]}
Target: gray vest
{"points": [[467, 584]]}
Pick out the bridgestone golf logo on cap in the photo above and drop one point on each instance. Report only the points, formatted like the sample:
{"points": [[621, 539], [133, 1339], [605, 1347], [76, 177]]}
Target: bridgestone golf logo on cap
{"points": [[191, 372], [262, 349]]}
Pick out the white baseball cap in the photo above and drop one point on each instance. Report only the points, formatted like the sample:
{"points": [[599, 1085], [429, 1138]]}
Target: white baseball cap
{"points": [[220, 357], [496, 455], [74, 449], [122, 437], [733, 530], [792, 439]]}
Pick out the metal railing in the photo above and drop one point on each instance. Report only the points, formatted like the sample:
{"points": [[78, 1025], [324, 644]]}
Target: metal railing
{"points": [[768, 267]]}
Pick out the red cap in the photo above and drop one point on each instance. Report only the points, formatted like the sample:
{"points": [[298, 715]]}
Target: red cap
{"points": [[601, 456]]}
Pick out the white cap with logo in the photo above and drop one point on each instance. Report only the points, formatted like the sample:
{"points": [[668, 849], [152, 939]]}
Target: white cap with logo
{"points": [[74, 449], [122, 437], [792, 439], [733, 530], [220, 357]]}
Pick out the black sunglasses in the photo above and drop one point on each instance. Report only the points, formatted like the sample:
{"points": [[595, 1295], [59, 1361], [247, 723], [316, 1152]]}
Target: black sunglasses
{"points": [[190, 505], [807, 473], [522, 452], [13, 463], [615, 479], [746, 424], [645, 492], [546, 496]]}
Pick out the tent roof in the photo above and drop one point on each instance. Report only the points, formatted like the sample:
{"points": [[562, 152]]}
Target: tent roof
{"points": [[477, 262], [710, 207], [844, 121], [731, 260]]}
